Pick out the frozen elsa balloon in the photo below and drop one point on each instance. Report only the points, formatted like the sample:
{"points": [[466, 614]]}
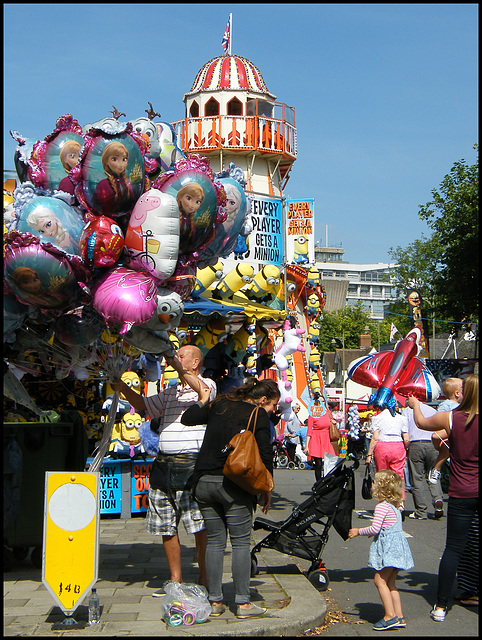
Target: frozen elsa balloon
{"points": [[44, 220]]}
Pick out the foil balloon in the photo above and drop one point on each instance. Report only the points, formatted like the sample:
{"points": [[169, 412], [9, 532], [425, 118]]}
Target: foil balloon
{"points": [[198, 199], [40, 274], [183, 279], [79, 327], [152, 236], [110, 175], [49, 218], [227, 232], [395, 372], [14, 314], [53, 158], [163, 142], [22, 153], [154, 342], [125, 296], [101, 242], [168, 313]]}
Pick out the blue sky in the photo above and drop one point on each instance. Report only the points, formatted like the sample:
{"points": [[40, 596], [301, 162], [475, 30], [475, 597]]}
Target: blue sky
{"points": [[385, 94]]}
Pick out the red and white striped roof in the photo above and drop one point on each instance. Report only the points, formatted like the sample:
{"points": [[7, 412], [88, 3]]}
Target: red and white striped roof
{"points": [[229, 72]]}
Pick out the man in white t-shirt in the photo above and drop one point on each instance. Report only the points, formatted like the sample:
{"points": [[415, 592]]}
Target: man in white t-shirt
{"points": [[170, 499]]}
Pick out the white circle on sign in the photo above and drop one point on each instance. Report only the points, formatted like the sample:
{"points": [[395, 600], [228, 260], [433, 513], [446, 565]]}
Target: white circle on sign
{"points": [[72, 507]]}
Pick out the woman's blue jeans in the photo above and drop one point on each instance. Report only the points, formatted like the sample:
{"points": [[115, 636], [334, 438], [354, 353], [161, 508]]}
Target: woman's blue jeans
{"points": [[460, 513], [226, 508]]}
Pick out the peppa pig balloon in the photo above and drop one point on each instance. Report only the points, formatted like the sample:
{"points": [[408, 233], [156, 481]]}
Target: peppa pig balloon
{"points": [[152, 236], [111, 171], [39, 274], [125, 296], [49, 218], [101, 242], [53, 158]]}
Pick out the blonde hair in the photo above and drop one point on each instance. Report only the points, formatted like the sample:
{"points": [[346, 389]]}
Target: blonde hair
{"points": [[69, 147], [450, 386], [470, 400], [43, 213], [388, 486], [112, 149]]}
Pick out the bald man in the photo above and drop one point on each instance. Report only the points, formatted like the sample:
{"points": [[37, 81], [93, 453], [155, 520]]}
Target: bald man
{"points": [[171, 475]]}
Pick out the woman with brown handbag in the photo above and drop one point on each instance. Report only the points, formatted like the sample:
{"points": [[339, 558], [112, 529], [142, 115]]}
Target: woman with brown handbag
{"points": [[225, 506]]}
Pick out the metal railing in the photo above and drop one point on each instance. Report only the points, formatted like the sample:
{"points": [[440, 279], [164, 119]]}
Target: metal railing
{"points": [[237, 133]]}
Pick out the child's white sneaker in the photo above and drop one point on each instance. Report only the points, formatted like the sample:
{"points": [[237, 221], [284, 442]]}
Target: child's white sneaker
{"points": [[438, 614]]}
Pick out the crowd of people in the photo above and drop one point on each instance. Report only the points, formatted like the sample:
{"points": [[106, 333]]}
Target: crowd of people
{"points": [[195, 426]]}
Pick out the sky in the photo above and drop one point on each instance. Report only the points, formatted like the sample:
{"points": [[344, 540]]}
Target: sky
{"points": [[385, 94]]}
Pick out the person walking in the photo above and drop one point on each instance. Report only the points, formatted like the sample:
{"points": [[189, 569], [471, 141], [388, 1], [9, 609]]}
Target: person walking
{"points": [[389, 443], [169, 499], [389, 551], [291, 427], [462, 427], [421, 456], [318, 436], [225, 506]]}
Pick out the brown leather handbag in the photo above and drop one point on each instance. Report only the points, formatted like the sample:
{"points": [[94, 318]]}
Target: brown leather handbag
{"points": [[335, 434], [244, 465]]}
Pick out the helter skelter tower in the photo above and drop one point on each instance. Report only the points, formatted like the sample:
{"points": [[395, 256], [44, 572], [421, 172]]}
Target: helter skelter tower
{"points": [[230, 116]]}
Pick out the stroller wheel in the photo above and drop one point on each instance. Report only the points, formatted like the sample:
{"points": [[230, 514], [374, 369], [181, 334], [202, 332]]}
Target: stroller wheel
{"points": [[319, 579], [291, 465], [254, 565], [301, 465], [283, 461]]}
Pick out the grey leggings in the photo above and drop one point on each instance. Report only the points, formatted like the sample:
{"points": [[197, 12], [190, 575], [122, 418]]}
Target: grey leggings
{"points": [[225, 507]]}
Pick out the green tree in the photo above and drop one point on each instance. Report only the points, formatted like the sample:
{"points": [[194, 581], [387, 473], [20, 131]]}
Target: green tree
{"points": [[347, 324], [453, 214]]}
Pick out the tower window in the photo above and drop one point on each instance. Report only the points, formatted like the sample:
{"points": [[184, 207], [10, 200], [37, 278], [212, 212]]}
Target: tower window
{"points": [[194, 110], [235, 107], [211, 108]]}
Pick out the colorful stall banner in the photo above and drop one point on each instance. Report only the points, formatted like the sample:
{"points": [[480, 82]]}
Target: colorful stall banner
{"points": [[266, 238], [141, 471], [300, 231], [110, 487]]}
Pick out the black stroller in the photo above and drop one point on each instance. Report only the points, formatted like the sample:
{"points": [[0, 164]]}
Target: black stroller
{"points": [[331, 503]]}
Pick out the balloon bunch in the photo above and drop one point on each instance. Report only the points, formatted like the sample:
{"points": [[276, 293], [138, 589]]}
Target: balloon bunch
{"points": [[353, 422], [109, 226]]}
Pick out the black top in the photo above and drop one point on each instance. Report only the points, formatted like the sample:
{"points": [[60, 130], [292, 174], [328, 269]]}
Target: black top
{"points": [[224, 420]]}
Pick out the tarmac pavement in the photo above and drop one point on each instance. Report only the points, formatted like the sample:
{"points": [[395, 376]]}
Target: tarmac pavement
{"points": [[132, 565]]}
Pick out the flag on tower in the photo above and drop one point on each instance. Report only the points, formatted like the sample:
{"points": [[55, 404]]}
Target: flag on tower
{"points": [[227, 35], [393, 331]]}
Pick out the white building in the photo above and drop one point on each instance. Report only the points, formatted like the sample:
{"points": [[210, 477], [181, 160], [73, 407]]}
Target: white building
{"points": [[347, 283]]}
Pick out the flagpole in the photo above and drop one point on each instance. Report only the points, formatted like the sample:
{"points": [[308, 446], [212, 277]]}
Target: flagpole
{"points": [[230, 32]]}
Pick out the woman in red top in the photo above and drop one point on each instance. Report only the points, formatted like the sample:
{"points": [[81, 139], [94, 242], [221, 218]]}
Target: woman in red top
{"points": [[318, 436], [462, 425]]}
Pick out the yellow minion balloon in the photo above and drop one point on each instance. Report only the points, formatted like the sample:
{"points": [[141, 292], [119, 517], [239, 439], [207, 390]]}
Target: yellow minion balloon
{"points": [[235, 280]]}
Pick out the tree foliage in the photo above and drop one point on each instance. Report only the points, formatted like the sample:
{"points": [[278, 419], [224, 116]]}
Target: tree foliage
{"points": [[346, 325], [444, 267]]}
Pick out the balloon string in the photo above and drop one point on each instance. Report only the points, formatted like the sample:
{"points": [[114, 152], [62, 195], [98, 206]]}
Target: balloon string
{"points": [[101, 450]]}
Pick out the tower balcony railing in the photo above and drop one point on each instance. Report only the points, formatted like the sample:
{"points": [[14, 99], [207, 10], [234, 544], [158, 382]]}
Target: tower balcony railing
{"points": [[237, 133]]}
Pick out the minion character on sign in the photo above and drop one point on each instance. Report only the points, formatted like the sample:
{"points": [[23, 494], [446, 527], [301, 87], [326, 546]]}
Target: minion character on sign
{"points": [[235, 280], [300, 250]]}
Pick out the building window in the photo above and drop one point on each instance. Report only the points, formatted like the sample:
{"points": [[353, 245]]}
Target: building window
{"points": [[235, 107], [211, 108], [364, 289], [194, 110]]}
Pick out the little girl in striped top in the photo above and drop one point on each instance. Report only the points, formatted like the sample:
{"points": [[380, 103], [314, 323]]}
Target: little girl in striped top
{"points": [[389, 551]]}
